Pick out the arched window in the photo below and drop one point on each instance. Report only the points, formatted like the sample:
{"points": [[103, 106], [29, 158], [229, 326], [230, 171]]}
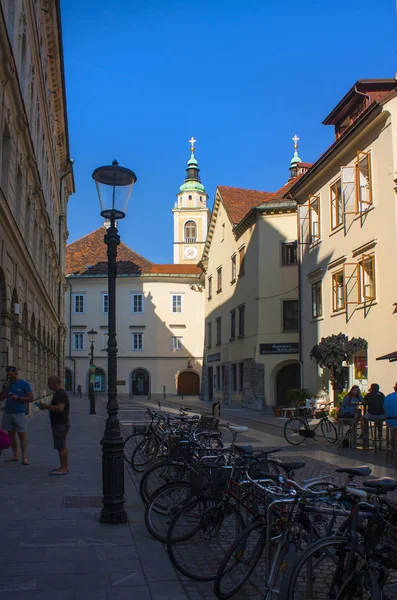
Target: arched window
{"points": [[190, 232]]}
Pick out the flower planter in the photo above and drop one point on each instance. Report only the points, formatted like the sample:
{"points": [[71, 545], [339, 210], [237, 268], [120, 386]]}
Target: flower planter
{"points": [[277, 412]]}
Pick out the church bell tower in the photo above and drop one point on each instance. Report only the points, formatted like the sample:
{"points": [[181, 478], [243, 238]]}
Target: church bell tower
{"points": [[191, 215]]}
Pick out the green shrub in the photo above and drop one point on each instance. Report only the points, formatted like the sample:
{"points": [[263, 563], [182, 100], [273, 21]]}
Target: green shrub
{"points": [[296, 397]]}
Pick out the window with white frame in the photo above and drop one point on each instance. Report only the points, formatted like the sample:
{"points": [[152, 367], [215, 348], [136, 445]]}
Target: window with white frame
{"points": [[137, 340], [105, 302], [79, 303], [367, 283], [176, 342], [314, 218], [78, 340], [137, 303], [234, 268], [104, 340], [176, 303], [336, 204]]}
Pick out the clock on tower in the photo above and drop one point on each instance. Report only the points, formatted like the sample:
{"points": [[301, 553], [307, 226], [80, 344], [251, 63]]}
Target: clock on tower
{"points": [[190, 252]]}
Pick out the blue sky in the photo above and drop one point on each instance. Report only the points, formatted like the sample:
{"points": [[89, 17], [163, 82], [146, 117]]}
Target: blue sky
{"points": [[144, 76]]}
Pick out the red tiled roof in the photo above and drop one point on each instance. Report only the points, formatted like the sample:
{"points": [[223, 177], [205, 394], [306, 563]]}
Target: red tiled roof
{"points": [[175, 269], [91, 251], [304, 165], [238, 201], [283, 191], [88, 256]]}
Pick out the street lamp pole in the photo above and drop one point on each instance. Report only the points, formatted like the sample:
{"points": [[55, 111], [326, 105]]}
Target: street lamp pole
{"points": [[113, 181], [91, 390]]}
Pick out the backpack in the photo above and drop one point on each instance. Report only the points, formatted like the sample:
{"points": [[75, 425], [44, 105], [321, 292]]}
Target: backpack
{"points": [[5, 440]]}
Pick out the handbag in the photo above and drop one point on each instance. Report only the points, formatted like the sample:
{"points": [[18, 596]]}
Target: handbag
{"points": [[5, 440]]}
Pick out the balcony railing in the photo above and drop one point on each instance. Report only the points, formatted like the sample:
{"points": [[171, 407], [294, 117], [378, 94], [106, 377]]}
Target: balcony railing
{"points": [[190, 240]]}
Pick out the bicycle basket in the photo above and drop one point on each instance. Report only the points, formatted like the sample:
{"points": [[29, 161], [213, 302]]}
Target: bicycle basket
{"points": [[207, 422], [380, 537], [179, 449], [208, 479]]}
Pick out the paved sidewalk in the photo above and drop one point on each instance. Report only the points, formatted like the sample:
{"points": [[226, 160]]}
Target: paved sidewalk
{"points": [[49, 550]]}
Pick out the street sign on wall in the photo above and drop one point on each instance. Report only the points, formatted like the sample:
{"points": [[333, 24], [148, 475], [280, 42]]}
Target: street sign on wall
{"points": [[279, 348], [214, 357]]}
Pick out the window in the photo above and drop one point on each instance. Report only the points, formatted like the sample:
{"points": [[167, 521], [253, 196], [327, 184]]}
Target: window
{"points": [[137, 340], [240, 377], [317, 304], [336, 204], [137, 303], [78, 340], [367, 282], [209, 287], [104, 340], [241, 253], [234, 377], [176, 343], [233, 324], [190, 232], [218, 280], [241, 320], [234, 268], [289, 254], [5, 160], [223, 377], [218, 378], [79, 303], [219, 331], [363, 181], [176, 303], [105, 302], [314, 218], [209, 335], [338, 291], [290, 315]]}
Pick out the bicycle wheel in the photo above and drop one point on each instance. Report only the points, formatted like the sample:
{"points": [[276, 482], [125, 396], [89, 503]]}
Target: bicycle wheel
{"points": [[199, 536], [163, 506], [291, 430], [159, 473], [328, 430], [145, 452], [321, 570], [130, 443], [361, 585], [240, 560]]}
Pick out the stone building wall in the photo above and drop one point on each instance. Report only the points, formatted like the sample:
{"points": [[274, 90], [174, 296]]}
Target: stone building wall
{"points": [[35, 182]]}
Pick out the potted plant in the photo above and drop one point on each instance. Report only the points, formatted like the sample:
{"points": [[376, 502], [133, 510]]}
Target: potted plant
{"points": [[296, 398], [277, 411]]}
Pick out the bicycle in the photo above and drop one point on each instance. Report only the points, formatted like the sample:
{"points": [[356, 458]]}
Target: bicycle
{"points": [[297, 429]]}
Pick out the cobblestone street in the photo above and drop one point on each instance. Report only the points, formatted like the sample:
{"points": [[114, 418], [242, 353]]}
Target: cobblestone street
{"points": [[53, 544]]}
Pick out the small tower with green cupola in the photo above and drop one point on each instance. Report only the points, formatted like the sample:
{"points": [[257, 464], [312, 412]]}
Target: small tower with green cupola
{"points": [[191, 215]]}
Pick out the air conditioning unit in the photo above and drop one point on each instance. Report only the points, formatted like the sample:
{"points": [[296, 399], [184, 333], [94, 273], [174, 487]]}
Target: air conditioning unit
{"points": [[17, 309]]}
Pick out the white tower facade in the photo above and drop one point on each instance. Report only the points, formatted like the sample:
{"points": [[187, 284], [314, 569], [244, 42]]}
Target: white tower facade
{"points": [[191, 215]]}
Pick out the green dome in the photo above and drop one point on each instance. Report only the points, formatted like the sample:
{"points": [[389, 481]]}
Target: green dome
{"points": [[295, 159], [192, 185]]}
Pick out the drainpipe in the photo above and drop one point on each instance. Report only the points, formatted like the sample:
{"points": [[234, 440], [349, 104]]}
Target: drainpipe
{"points": [[70, 338], [60, 286]]}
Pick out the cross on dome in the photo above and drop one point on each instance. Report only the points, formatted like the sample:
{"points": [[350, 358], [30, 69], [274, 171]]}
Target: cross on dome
{"points": [[192, 141], [295, 139]]}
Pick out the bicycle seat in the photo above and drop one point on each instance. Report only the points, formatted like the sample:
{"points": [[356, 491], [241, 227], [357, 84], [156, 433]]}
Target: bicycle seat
{"points": [[362, 471], [289, 466], [238, 428], [244, 448], [386, 484]]}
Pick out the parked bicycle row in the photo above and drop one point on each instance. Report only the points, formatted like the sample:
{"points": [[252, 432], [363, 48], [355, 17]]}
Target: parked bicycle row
{"points": [[226, 511]]}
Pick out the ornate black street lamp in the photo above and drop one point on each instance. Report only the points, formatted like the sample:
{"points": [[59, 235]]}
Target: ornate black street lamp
{"points": [[114, 186], [91, 391]]}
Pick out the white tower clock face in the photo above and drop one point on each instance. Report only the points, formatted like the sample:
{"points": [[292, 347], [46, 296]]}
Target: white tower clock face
{"points": [[190, 252]]}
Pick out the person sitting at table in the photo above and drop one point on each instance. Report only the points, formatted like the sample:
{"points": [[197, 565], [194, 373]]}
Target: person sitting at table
{"points": [[348, 409], [374, 410], [390, 408]]}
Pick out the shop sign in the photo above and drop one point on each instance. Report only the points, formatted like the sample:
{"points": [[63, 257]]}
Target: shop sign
{"points": [[287, 348], [214, 357]]}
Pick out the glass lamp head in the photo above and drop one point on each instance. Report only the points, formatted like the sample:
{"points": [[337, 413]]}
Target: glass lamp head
{"points": [[114, 187]]}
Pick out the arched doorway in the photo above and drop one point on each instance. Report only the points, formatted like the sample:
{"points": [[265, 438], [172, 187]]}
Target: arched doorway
{"points": [[140, 382], [188, 383], [68, 380], [288, 377]]}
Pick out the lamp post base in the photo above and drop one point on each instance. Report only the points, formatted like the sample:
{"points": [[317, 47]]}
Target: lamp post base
{"points": [[113, 511]]}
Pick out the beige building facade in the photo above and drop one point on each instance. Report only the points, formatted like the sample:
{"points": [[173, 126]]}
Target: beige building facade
{"points": [[160, 315], [348, 238], [249, 264], [36, 181]]}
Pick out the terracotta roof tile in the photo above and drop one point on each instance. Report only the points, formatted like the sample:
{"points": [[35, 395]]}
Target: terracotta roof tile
{"points": [[283, 191], [89, 255], [238, 201]]}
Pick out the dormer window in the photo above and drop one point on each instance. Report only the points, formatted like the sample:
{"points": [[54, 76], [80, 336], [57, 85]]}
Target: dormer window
{"points": [[190, 232], [189, 197]]}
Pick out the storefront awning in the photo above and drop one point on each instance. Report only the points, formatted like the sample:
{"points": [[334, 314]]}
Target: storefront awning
{"points": [[392, 357]]}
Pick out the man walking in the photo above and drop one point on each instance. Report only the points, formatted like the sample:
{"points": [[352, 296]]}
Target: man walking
{"points": [[59, 416], [17, 394]]}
